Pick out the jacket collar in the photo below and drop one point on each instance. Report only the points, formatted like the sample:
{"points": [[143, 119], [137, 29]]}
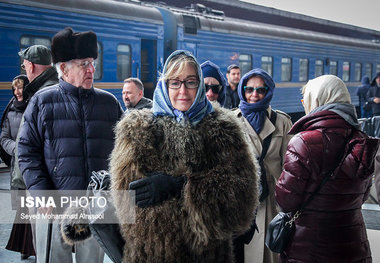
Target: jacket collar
{"points": [[38, 82], [71, 89]]}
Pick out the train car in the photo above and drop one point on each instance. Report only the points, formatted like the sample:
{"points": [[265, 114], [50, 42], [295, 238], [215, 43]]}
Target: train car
{"points": [[134, 40], [291, 56], [130, 38]]}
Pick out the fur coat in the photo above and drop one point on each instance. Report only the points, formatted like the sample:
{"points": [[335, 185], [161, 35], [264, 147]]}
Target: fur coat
{"points": [[217, 202]]}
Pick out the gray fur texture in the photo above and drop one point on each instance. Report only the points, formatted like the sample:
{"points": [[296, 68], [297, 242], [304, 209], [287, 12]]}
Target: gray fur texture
{"points": [[218, 200]]}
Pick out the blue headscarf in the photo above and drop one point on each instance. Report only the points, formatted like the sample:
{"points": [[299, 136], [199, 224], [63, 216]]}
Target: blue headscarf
{"points": [[162, 105], [255, 113], [210, 69]]}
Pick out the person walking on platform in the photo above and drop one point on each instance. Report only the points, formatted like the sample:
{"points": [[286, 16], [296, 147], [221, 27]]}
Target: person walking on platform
{"points": [[373, 95], [361, 92], [21, 239], [215, 84], [330, 159], [192, 171], [267, 133], [67, 134]]}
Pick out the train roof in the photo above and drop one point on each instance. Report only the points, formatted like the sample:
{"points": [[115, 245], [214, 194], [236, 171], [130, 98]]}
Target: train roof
{"points": [[257, 13], [105, 8], [228, 25]]}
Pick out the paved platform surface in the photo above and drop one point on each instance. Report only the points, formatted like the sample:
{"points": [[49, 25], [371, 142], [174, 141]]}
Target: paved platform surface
{"points": [[7, 256]]}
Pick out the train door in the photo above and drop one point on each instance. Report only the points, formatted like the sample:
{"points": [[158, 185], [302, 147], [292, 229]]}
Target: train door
{"points": [[148, 66]]}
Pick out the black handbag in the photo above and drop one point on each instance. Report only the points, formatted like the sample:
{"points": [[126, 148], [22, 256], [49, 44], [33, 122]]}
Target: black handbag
{"points": [[280, 230], [282, 226]]}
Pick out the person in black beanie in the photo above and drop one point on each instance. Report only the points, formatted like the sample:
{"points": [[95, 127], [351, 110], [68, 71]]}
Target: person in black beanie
{"points": [[67, 134], [20, 239]]}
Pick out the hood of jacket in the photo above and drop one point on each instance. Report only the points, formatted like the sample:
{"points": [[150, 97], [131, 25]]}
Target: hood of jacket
{"points": [[365, 80], [373, 82]]}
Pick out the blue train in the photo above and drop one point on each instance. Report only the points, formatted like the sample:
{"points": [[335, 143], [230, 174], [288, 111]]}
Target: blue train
{"points": [[135, 38]]}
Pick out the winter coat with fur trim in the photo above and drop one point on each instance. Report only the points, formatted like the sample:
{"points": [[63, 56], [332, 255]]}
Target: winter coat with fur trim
{"points": [[217, 202], [331, 227]]}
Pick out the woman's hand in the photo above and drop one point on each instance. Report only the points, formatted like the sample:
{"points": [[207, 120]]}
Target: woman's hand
{"points": [[156, 188]]}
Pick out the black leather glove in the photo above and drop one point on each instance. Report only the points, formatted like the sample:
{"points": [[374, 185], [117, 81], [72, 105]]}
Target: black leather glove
{"points": [[156, 188]]}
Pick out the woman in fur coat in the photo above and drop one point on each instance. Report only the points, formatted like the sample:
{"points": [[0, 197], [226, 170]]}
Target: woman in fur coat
{"points": [[194, 176]]}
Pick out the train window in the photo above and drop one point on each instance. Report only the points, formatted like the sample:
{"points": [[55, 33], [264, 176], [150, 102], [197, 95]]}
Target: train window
{"points": [[286, 69], [27, 41], [358, 71], [346, 71], [245, 63], [99, 63], [123, 61], [377, 67], [318, 68], [368, 70], [333, 68], [304, 69], [267, 64], [190, 24]]}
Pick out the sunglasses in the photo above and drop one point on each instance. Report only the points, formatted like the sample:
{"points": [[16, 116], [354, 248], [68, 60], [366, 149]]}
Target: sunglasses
{"points": [[215, 88], [259, 90]]}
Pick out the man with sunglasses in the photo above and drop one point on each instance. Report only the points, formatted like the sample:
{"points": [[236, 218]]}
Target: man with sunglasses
{"points": [[267, 135], [68, 134], [215, 84]]}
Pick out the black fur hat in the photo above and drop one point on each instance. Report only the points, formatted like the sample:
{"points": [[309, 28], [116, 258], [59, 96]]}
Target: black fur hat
{"points": [[67, 45]]}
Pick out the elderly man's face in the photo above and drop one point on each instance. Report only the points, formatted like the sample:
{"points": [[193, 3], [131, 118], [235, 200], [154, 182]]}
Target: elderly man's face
{"points": [[378, 80], [81, 73]]}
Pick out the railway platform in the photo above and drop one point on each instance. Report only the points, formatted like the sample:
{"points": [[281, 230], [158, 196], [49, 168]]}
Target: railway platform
{"points": [[371, 213]]}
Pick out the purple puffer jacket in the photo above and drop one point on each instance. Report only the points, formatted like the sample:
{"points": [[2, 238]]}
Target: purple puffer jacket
{"points": [[331, 228]]}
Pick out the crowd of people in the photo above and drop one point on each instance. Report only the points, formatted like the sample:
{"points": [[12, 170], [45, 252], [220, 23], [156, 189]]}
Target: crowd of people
{"points": [[210, 161]]}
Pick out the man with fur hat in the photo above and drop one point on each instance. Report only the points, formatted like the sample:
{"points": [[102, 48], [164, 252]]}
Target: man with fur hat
{"points": [[373, 95], [67, 134]]}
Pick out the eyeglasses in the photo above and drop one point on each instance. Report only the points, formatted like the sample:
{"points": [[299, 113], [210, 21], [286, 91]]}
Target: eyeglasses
{"points": [[215, 88], [189, 83], [85, 64], [259, 90]]}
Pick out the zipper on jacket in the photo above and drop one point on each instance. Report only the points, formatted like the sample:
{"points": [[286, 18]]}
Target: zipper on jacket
{"points": [[83, 126]]}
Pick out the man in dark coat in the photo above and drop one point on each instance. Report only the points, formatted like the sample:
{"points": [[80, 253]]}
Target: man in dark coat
{"points": [[41, 74], [233, 78], [361, 91], [38, 68], [373, 95], [67, 134]]}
